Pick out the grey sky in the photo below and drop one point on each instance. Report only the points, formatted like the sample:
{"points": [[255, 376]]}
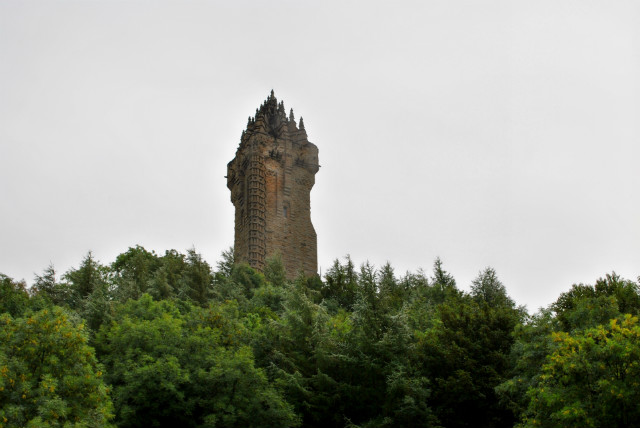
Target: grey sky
{"points": [[489, 133]]}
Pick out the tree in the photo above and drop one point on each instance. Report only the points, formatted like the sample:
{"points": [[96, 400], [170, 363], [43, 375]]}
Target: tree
{"points": [[225, 265], [341, 284], [49, 376], [47, 286], [585, 306], [133, 271], [14, 298], [384, 387], [175, 364], [173, 265], [391, 292], [196, 283], [84, 280], [347, 367], [465, 351], [245, 279], [580, 310], [532, 345], [591, 379], [443, 285], [274, 270], [487, 288]]}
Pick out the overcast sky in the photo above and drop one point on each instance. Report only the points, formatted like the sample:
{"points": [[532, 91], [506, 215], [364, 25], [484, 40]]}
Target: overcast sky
{"points": [[488, 133]]}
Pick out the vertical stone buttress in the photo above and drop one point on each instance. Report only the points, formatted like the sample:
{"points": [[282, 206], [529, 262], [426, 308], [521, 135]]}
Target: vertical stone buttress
{"points": [[270, 181], [257, 212]]}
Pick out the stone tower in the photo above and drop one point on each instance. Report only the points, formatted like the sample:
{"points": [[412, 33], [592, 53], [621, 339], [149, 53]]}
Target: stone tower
{"points": [[270, 181]]}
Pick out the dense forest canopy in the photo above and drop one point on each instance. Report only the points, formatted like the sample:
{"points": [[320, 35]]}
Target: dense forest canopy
{"points": [[169, 340]]}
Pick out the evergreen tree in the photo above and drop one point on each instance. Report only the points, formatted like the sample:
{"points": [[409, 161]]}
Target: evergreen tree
{"points": [[174, 364], [84, 280], [196, 283]]}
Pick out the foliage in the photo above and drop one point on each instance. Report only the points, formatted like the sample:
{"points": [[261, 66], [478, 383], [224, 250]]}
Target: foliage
{"points": [[184, 345], [133, 270], [581, 311], [225, 264], [274, 271], [591, 379], [91, 275], [340, 285], [48, 287], [488, 289], [14, 298], [49, 376], [196, 283], [179, 365], [586, 306], [533, 342], [465, 352], [443, 285]]}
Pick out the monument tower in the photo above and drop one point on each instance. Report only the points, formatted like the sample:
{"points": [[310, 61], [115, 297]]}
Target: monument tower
{"points": [[270, 181]]}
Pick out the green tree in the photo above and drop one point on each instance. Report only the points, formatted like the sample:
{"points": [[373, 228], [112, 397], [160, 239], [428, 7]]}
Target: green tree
{"points": [[133, 271], [97, 308], [225, 265], [82, 281], [291, 347], [274, 270], [465, 351], [340, 285], [14, 298], [47, 286], [591, 379], [488, 289], [196, 283], [384, 387], [392, 293], [533, 342], [174, 364], [166, 279], [173, 265], [243, 282], [49, 376], [443, 285], [585, 306], [581, 309], [344, 366]]}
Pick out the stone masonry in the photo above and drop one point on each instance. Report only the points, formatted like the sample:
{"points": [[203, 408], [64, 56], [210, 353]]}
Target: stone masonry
{"points": [[270, 181]]}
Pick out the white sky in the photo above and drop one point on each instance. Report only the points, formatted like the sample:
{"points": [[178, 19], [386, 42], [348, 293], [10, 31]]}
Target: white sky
{"points": [[489, 133]]}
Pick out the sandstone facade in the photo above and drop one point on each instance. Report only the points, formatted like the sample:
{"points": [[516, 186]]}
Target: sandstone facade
{"points": [[270, 180]]}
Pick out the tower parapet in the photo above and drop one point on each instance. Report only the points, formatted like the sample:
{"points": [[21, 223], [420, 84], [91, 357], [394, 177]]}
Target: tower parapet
{"points": [[270, 180]]}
